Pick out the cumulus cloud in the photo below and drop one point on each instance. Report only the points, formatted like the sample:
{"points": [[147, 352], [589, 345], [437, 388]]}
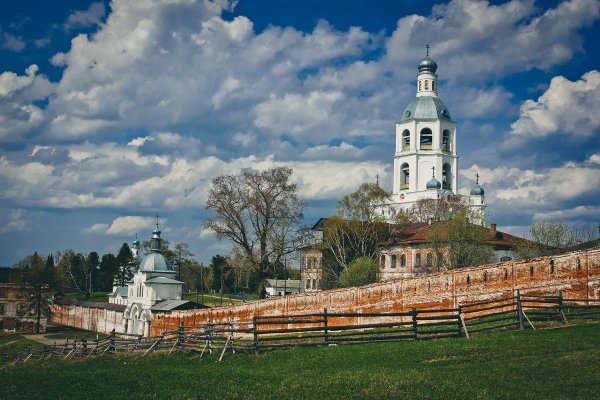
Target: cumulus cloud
{"points": [[14, 222], [11, 42], [127, 225], [520, 36], [566, 108], [84, 18]]}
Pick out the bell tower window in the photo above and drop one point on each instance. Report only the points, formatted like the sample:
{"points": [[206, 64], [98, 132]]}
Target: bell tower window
{"points": [[446, 177], [404, 176], [426, 139], [419, 85], [446, 140], [433, 85], [405, 140], [426, 85]]}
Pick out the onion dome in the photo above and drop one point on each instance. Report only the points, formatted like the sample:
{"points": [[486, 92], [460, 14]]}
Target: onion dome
{"points": [[477, 190], [156, 262], [427, 65], [433, 184]]}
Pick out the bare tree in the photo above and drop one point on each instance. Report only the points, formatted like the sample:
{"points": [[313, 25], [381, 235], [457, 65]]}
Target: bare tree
{"points": [[260, 212], [425, 209], [552, 237]]}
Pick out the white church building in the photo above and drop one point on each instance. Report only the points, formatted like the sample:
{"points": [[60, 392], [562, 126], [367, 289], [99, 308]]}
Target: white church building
{"points": [[426, 158], [152, 289]]}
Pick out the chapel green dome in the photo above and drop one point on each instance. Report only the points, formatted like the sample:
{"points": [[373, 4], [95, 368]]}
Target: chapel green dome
{"points": [[433, 184], [477, 191]]}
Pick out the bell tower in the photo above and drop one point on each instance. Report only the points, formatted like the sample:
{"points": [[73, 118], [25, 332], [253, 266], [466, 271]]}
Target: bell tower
{"points": [[425, 144]]}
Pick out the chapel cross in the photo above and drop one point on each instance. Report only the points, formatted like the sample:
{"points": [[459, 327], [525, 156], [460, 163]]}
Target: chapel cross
{"points": [[477, 178], [427, 47], [377, 176], [433, 171]]}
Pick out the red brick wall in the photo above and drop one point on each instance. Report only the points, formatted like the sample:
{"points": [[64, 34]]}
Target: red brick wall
{"points": [[576, 274], [576, 279]]}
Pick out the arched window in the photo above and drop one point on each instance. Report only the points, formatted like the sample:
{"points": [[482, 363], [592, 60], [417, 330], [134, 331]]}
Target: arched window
{"points": [[531, 271], [432, 85], [429, 260], [417, 260], [426, 139], [394, 260], [419, 85], [403, 260], [308, 283], [440, 260], [405, 140], [505, 274], [404, 176], [485, 276], [468, 280], [578, 262], [382, 261], [446, 177], [314, 283], [426, 85], [552, 267], [446, 143]]}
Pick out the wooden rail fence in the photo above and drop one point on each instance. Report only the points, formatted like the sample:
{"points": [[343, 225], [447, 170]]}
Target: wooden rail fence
{"points": [[326, 328]]}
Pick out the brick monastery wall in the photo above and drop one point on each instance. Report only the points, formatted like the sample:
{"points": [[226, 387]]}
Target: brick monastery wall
{"points": [[92, 319], [576, 274]]}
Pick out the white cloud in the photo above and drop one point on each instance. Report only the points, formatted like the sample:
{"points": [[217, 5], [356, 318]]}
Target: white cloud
{"points": [[84, 18], [11, 42], [566, 107], [14, 222], [129, 225]]}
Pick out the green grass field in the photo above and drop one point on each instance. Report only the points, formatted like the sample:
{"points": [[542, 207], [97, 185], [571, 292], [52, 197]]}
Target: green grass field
{"points": [[561, 363]]}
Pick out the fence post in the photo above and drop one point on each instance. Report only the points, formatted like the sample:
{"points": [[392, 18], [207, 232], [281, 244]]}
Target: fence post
{"points": [[255, 333], [561, 312], [180, 334], [326, 338], [112, 341], [414, 322], [83, 346], [520, 310], [458, 321]]}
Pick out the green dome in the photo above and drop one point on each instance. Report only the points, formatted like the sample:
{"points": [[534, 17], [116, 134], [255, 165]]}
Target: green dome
{"points": [[427, 65], [156, 262], [433, 184], [477, 191], [426, 107]]}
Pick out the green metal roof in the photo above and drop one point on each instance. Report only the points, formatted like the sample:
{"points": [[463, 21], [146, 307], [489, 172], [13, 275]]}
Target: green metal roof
{"points": [[426, 107]]}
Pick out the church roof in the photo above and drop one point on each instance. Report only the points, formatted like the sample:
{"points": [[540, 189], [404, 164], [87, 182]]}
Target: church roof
{"points": [[161, 280], [426, 107], [281, 283], [156, 262]]}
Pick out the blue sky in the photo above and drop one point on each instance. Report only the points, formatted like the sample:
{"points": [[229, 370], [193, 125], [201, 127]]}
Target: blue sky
{"points": [[113, 112]]}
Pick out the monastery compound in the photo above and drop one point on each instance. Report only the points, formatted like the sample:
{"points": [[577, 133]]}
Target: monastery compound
{"points": [[425, 166]]}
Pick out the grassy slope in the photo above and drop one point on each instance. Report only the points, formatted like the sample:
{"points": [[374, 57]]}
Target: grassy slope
{"points": [[550, 364]]}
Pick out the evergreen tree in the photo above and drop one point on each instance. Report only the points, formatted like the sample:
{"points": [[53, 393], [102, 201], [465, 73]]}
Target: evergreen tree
{"points": [[48, 272]]}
